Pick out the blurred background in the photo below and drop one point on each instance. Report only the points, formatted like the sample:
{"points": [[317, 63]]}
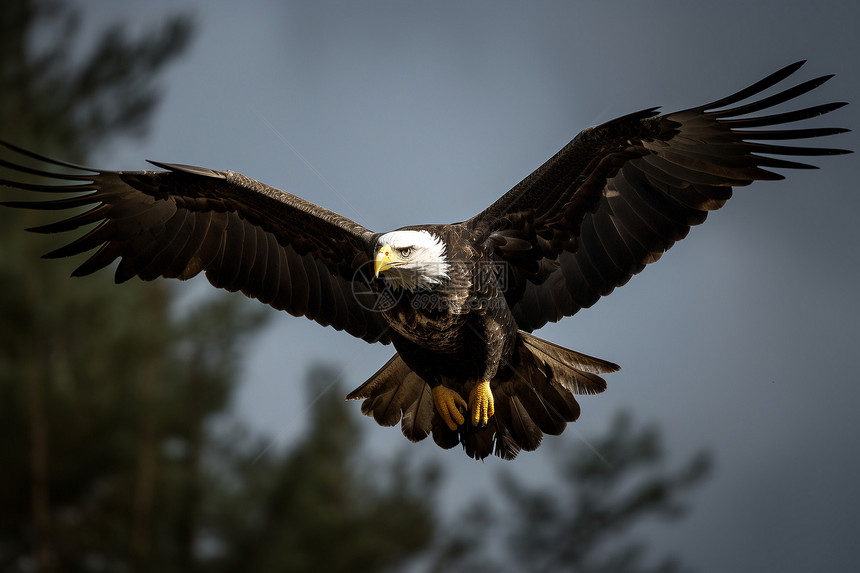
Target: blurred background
{"points": [[168, 427]]}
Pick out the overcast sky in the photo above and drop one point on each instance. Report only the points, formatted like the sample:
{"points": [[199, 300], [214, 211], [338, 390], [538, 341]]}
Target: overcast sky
{"points": [[742, 339]]}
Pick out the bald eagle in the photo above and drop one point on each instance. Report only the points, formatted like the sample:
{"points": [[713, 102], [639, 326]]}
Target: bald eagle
{"points": [[458, 302]]}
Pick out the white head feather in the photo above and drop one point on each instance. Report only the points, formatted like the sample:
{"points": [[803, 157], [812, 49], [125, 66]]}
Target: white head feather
{"points": [[425, 267]]}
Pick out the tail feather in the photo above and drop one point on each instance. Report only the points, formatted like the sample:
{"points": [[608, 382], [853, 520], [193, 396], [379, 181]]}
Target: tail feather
{"points": [[418, 417], [396, 394], [526, 434], [534, 395], [576, 371]]}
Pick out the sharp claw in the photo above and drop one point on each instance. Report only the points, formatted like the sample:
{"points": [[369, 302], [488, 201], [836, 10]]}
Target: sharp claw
{"points": [[455, 418]]}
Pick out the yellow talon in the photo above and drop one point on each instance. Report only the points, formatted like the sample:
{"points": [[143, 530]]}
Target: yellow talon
{"points": [[481, 403], [447, 404]]}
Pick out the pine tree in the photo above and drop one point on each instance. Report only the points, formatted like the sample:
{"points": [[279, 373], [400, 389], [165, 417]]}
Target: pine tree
{"points": [[83, 365], [324, 505], [583, 522]]}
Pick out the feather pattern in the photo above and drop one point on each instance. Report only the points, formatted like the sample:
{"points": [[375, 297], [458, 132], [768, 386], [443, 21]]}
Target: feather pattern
{"points": [[244, 235], [620, 194]]}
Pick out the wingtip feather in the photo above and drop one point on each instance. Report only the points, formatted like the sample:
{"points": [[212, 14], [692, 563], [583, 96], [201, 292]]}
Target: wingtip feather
{"points": [[181, 167]]}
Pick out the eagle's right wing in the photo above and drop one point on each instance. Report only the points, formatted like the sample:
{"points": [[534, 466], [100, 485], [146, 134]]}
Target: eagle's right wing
{"points": [[620, 194]]}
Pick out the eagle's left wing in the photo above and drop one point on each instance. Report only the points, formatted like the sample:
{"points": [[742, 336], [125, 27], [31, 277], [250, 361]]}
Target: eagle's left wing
{"points": [[620, 194], [244, 235]]}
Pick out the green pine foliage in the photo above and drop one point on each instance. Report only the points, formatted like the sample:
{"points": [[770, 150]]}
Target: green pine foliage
{"points": [[323, 505], [586, 522]]}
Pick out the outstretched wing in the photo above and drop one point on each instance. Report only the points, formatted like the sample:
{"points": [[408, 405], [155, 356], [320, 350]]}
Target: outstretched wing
{"points": [[620, 194], [245, 236]]}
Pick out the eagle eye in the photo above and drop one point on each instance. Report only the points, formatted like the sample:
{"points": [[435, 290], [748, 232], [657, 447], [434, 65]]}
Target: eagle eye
{"points": [[405, 252]]}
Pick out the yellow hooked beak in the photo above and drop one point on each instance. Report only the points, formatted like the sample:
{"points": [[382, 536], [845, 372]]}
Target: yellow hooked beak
{"points": [[385, 259]]}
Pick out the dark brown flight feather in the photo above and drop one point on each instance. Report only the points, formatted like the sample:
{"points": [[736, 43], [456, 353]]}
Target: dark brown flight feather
{"points": [[620, 194], [244, 235]]}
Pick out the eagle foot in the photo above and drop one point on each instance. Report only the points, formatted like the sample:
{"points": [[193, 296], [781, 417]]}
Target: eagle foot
{"points": [[448, 404], [481, 403]]}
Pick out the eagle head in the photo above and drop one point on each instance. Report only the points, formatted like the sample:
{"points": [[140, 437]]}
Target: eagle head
{"points": [[412, 260]]}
